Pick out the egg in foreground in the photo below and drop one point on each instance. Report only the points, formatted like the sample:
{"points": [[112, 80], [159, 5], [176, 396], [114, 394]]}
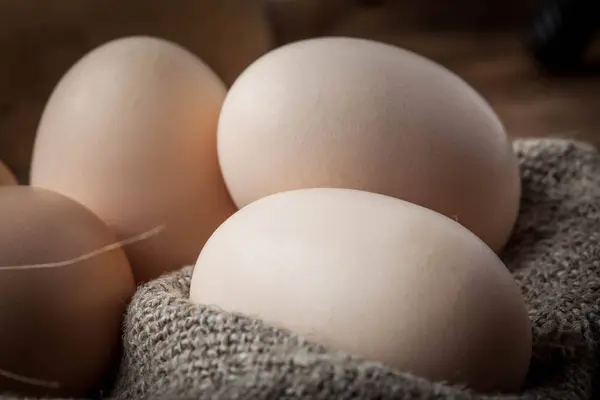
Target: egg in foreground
{"points": [[358, 114], [372, 276], [60, 325], [130, 132]]}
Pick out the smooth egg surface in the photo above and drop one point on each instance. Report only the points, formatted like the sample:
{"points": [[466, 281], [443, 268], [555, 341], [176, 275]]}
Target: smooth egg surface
{"points": [[61, 324], [358, 114], [6, 176], [130, 132], [372, 276]]}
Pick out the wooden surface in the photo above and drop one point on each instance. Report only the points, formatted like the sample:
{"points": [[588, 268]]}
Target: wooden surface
{"points": [[488, 55]]}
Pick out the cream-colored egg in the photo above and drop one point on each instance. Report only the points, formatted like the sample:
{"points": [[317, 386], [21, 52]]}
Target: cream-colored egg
{"points": [[373, 276], [357, 114], [61, 325], [130, 132], [6, 176]]}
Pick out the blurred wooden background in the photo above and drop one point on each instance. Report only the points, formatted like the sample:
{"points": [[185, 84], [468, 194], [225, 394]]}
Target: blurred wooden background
{"points": [[478, 39]]}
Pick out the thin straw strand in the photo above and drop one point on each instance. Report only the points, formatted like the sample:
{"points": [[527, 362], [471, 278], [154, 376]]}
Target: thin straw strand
{"points": [[29, 381], [84, 257]]}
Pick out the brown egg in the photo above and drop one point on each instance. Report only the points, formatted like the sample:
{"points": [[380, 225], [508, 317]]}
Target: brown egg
{"points": [[6, 176], [130, 132], [357, 114], [373, 276], [60, 325]]}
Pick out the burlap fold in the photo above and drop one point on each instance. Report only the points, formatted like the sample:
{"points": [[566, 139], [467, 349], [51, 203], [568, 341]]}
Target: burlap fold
{"points": [[175, 350]]}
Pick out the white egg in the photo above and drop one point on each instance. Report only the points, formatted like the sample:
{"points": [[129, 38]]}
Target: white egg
{"points": [[357, 114], [372, 276]]}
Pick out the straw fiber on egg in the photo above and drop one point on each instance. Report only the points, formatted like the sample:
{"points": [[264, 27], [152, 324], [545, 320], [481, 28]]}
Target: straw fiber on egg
{"points": [[175, 350]]}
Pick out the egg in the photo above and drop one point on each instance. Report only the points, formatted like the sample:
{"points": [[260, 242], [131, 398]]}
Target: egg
{"points": [[372, 276], [358, 114], [6, 176], [60, 325], [130, 132]]}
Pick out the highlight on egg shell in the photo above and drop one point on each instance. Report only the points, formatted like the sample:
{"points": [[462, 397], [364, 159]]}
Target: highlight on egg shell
{"points": [[372, 276], [61, 312], [358, 114], [130, 132], [6, 176]]}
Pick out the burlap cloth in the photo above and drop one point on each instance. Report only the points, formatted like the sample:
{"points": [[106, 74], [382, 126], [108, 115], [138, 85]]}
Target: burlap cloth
{"points": [[175, 350]]}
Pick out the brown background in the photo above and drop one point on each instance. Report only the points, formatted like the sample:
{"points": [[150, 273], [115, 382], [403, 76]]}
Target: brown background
{"points": [[480, 40]]}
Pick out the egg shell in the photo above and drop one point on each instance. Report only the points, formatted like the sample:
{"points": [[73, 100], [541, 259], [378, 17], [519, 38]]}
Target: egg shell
{"points": [[59, 325], [130, 132], [372, 276], [357, 114], [6, 175]]}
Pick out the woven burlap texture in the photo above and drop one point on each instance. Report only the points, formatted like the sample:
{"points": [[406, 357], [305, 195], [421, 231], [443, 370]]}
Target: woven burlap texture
{"points": [[176, 350]]}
